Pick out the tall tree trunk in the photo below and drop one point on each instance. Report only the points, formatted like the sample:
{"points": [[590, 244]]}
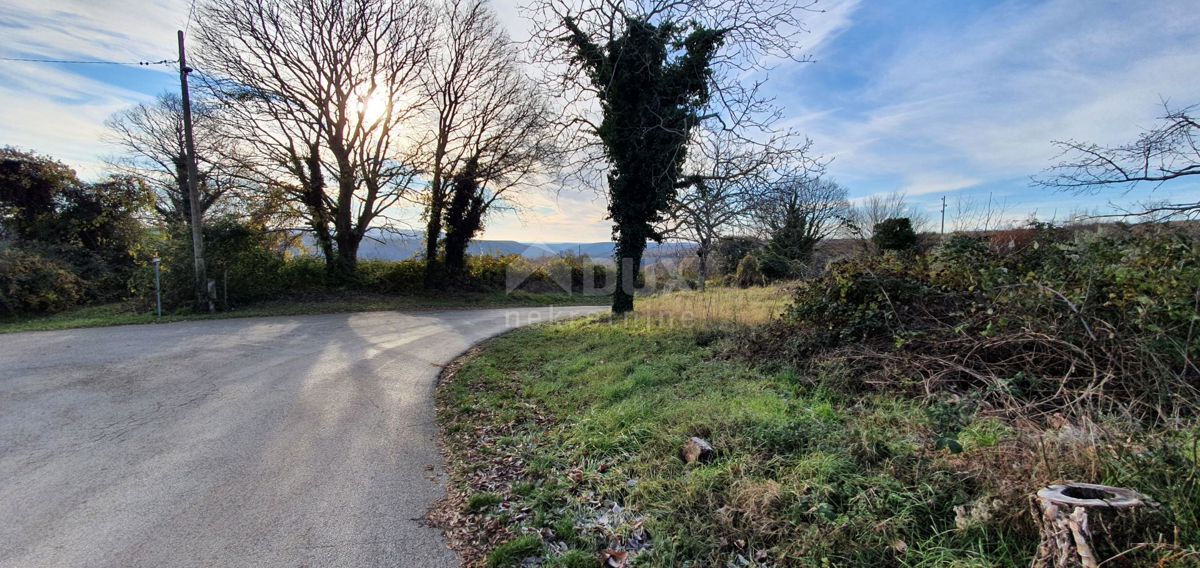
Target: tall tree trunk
{"points": [[437, 206], [346, 261], [325, 242], [464, 219], [346, 236], [702, 253], [433, 233], [629, 265], [456, 260], [313, 180]]}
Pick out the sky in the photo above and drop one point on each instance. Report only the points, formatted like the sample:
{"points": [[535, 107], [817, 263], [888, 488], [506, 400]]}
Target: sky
{"points": [[953, 98]]}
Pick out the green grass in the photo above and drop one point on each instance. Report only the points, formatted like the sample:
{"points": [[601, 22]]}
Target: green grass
{"points": [[512, 553], [126, 314], [596, 410], [798, 476], [482, 501]]}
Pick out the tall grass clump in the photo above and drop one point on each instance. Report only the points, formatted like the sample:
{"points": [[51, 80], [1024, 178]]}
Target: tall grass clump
{"points": [[716, 307]]}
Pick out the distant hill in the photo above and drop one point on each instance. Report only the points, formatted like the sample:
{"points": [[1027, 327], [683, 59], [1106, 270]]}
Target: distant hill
{"points": [[402, 246]]}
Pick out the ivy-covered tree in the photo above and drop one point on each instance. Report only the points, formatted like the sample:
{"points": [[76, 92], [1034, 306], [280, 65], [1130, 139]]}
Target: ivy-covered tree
{"points": [[487, 115], [651, 95], [655, 70], [464, 218]]}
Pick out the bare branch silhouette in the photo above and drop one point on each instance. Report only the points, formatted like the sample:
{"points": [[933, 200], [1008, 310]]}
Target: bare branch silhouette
{"points": [[324, 92], [1168, 151]]}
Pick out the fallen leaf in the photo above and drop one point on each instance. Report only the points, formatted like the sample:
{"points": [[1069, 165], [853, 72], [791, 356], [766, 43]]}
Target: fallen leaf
{"points": [[615, 558]]}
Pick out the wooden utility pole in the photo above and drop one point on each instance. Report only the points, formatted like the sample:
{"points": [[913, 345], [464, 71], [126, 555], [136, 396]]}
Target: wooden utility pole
{"points": [[203, 302]]}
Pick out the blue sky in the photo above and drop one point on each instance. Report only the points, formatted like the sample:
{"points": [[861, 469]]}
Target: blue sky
{"points": [[959, 98]]}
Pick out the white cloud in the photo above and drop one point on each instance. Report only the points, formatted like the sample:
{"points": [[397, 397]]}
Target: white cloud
{"points": [[572, 216], [950, 108], [61, 114], [120, 30], [925, 184], [981, 102], [50, 108], [823, 27]]}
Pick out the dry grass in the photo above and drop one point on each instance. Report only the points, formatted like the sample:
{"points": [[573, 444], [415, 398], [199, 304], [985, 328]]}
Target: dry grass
{"points": [[716, 306]]}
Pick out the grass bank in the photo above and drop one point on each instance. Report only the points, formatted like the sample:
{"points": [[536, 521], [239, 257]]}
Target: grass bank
{"points": [[316, 303], [564, 446]]}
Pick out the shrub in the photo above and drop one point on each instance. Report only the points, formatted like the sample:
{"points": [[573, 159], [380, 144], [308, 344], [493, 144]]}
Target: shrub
{"points": [[33, 283], [89, 229], [489, 272], [729, 252], [748, 273], [241, 258], [564, 273], [774, 266], [895, 234], [304, 274], [391, 276]]}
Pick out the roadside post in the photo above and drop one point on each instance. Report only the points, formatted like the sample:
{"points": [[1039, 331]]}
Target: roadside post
{"points": [[157, 286]]}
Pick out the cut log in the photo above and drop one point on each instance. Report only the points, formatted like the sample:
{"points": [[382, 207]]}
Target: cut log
{"points": [[1063, 517], [697, 450]]}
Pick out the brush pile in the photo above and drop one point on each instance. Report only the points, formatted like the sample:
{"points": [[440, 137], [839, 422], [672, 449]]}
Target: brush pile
{"points": [[1061, 323]]}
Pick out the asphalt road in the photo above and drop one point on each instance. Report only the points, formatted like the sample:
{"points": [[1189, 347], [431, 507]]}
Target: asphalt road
{"points": [[286, 441]]}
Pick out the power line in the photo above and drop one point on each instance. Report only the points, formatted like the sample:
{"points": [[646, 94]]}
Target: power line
{"points": [[187, 27], [92, 62]]}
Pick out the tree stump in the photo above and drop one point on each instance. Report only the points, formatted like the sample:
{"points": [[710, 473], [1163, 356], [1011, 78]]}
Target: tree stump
{"points": [[1063, 518]]}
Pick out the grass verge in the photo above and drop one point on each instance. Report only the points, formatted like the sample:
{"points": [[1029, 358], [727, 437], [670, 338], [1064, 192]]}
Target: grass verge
{"points": [[126, 314], [563, 442]]}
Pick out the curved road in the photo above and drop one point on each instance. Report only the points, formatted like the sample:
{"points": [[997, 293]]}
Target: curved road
{"points": [[285, 441]]}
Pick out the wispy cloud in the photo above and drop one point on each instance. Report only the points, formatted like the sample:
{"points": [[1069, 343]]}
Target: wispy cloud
{"points": [[88, 29], [974, 99], [931, 98], [60, 109]]}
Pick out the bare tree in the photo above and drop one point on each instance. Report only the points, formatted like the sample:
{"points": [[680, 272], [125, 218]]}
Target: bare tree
{"points": [[639, 75], [971, 214], [798, 212], [1169, 151], [493, 129], [879, 207], [727, 179], [325, 92], [150, 137]]}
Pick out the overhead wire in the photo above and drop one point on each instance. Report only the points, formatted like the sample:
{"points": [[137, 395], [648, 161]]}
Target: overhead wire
{"points": [[187, 27], [87, 62]]}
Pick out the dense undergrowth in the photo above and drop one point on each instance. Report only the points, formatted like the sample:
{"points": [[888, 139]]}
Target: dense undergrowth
{"points": [[901, 412], [1059, 323]]}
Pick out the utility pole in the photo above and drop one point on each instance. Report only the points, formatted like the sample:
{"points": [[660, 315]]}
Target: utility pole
{"points": [[943, 214], [202, 300]]}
